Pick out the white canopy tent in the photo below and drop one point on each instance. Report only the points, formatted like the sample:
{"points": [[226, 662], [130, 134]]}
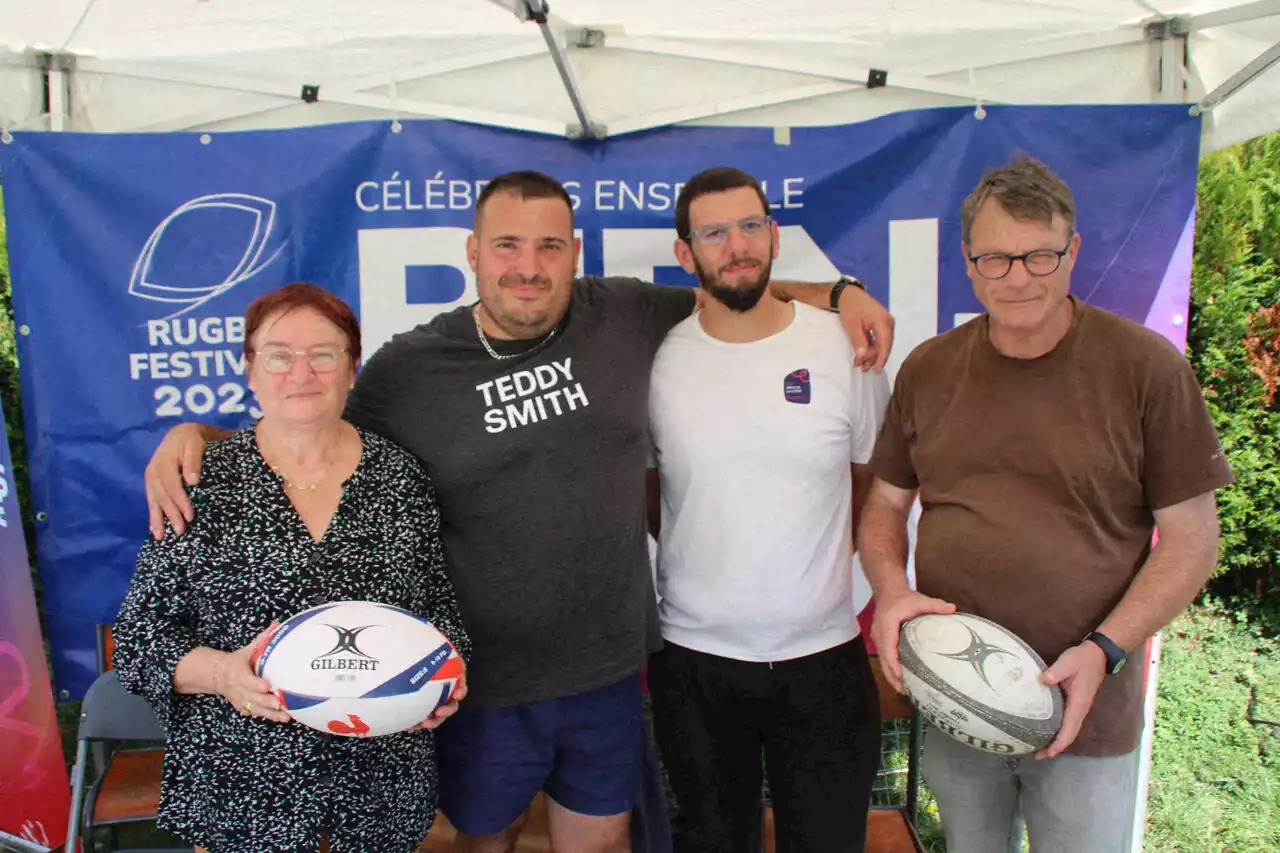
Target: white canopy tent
{"points": [[621, 67], [602, 69]]}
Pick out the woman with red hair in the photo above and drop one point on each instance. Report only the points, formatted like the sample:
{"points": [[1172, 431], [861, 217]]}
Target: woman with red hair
{"points": [[300, 509]]}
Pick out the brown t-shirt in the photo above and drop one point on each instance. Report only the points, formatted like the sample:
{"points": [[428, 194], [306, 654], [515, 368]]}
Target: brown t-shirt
{"points": [[1038, 479]]}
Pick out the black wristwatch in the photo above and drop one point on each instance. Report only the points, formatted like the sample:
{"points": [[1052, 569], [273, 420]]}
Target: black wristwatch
{"points": [[839, 286], [1116, 658]]}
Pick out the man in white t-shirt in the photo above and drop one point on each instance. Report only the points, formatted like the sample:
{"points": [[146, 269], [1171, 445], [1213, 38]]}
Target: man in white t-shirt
{"points": [[762, 426]]}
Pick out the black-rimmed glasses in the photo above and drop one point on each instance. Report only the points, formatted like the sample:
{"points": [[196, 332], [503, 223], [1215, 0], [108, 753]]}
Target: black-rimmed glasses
{"points": [[1036, 262]]}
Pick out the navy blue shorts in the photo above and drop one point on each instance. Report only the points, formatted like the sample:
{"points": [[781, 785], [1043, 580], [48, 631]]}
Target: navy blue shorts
{"points": [[584, 750]]}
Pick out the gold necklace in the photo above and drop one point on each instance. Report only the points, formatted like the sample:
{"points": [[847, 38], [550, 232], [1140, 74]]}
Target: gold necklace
{"points": [[299, 487]]}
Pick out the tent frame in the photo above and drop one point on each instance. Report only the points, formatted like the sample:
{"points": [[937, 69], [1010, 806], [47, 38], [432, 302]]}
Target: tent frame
{"points": [[826, 76]]}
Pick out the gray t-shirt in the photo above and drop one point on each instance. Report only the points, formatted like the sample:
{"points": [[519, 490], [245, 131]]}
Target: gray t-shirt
{"points": [[538, 462]]}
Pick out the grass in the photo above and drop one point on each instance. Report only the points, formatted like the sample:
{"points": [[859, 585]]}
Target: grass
{"points": [[1215, 780]]}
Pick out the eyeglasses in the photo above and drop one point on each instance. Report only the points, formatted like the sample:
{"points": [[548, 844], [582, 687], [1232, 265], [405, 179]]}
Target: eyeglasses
{"points": [[280, 359], [1037, 262], [711, 235]]}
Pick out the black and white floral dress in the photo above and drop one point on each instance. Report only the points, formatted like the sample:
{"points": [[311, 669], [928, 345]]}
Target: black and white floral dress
{"points": [[236, 784]]}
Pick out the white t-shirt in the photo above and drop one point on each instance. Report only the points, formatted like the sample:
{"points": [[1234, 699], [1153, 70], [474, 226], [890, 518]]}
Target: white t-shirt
{"points": [[754, 442]]}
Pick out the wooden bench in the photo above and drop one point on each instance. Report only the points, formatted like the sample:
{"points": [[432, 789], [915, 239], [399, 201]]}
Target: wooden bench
{"points": [[888, 831]]}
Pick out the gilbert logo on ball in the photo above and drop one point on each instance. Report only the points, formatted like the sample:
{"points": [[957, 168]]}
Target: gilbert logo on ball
{"points": [[359, 668], [979, 683], [334, 659]]}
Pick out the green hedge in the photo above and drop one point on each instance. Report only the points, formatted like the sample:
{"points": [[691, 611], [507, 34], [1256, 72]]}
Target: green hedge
{"points": [[11, 398], [1233, 343], [9, 392]]}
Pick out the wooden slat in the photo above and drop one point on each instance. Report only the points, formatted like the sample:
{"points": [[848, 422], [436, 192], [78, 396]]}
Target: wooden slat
{"points": [[887, 832], [131, 790], [108, 646]]}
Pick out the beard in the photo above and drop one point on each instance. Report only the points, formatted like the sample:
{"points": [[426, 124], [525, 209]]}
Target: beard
{"points": [[518, 320], [739, 298]]}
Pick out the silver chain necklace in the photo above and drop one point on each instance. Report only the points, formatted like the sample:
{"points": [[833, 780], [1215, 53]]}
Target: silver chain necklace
{"points": [[475, 315]]}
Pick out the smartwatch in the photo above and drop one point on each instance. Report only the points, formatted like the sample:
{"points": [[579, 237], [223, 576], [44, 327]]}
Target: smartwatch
{"points": [[1116, 658], [838, 288]]}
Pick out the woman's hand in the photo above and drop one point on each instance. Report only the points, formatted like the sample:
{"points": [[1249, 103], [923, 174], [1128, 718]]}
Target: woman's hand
{"points": [[448, 709], [236, 682]]}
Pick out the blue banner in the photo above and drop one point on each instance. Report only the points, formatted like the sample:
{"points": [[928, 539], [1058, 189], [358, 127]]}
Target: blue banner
{"points": [[134, 257]]}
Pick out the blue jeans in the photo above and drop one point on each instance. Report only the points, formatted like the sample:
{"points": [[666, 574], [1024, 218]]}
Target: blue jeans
{"points": [[1071, 804]]}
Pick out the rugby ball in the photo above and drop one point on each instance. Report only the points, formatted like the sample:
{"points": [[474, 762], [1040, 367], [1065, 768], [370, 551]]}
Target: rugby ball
{"points": [[358, 668], [979, 683]]}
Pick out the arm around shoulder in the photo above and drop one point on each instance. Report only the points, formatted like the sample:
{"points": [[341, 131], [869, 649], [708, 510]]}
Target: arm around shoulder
{"points": [[868, 324], [175, 464]]}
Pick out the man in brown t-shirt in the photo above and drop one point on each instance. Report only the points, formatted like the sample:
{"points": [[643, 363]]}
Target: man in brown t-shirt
{"points": [[1046, 438]]}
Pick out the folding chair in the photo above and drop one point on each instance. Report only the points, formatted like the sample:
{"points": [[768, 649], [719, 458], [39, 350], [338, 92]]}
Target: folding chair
{"points": [[130, 792], [112, 717], [106, 647]]}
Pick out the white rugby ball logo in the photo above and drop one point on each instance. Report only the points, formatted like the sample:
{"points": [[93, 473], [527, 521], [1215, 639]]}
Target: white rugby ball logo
{"points": [[979, 683], [234, 231]]}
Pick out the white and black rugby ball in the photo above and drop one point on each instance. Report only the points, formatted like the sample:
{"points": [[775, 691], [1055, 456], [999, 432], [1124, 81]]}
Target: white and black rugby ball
{"points": [[979, 683]]}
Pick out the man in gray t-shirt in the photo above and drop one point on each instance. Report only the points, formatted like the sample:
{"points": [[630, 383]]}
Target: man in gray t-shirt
{"points": [[528, 454], [529, 410]]}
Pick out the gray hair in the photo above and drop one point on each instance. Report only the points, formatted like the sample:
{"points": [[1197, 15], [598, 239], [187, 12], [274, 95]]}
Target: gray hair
{"points": [[1027, 190]]}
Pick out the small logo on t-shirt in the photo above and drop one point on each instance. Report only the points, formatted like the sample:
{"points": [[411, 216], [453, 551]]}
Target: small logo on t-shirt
{"points": [[795, 387]]}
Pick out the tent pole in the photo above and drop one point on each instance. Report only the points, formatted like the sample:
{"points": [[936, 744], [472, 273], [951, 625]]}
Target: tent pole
{"points": [[537, 11], [1172, 35], [57, 99], [1171, 53], [1137, 829], [57, 87], [1239, 80]]}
